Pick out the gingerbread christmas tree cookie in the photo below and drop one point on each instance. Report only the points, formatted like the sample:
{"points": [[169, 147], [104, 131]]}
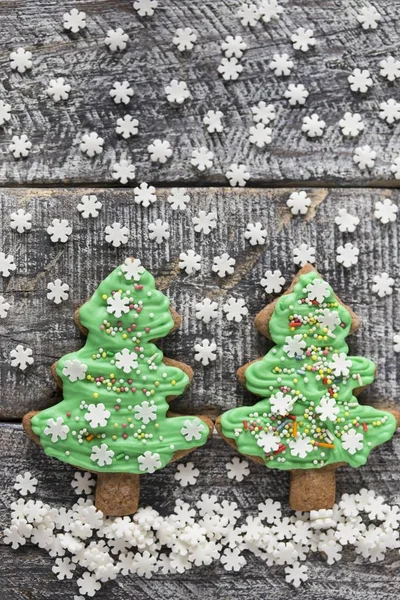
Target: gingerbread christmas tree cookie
{"points": [[113, 419], [309, 420]]}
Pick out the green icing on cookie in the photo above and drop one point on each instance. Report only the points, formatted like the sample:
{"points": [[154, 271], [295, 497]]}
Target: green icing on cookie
{"points": [[308, 416], [113, 415]]}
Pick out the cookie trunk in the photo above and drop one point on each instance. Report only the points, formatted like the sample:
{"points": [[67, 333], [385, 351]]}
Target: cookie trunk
{"points": [[312, 489], [117, 494]]}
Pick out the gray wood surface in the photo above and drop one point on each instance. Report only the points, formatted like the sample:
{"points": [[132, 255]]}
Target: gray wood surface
{"points": [[151, 61], [26, 573], [86, 259]]}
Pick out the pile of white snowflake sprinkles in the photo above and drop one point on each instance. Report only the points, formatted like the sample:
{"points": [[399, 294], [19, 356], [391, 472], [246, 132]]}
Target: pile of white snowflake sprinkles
{"points": [[233, 47], [95, 549]]}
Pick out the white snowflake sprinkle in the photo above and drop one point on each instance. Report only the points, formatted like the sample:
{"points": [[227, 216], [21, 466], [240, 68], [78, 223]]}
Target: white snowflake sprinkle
{"points": [[132, 269], [318, 290], [202, 158], [233, 46], [20, 146], [186, 474], [205, 352], [270, 9], [364, 157], [232, 559], [347, 255], [177, 92], [235, 309], [383, 285], [296, 574], [237, 469], [184, 39], [389, 111], [327, 409], [20, 60], [230, 69], [116, 234], [145, 8], [190, 262], [21, 221], [294, 346], [178, 198], [237, 175], [97, 415], [303, 39], [7, 264], [303, 254], [124, 171], [58, 89], [89, 206], [74, 20], [59, 230], [75, 370], [369, 17], [352, 441], [160, 151], [223, 265], [192, 429], [263, 112], [213, 121], [386, 211], [205, 222], [351, 124], [296, 94], [127, 126], [145, 194], [313, 126], [255, 234], [58, 291], [340, 364], [346, 221], [5, 110], [121, 92], [299, 203], [390, 68], [360, 80], [25, 484], [57, 429], [205, 310], [4, 307], [260, 135], [102, 455], [249, 14], [281, 64], [149, 462], [92, 144], [116, 39], [272, 281], [159, 231]]}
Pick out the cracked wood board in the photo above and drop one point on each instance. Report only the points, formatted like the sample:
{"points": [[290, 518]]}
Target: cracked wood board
{"points": [[26, 573], [151, 61], [86, 259]]}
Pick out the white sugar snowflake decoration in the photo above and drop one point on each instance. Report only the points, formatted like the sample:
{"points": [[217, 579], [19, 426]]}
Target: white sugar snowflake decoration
{"points": [[178, 198], [263, 112], [389, 111], [102, 455], [299, 203], [346, 221], [159, 231], [56, 429], [369, 17], [145, 194], [327, 409], [233, 46], [255, 234], [230, 68], [294, 346], [390, 68], [364, 157], [205, 310], [351, 124], [202, 158], [386, 211], [272, 281], [121, 92], [177, 92], [352, 441], [4, 307], [20, 60], [205, 352], [57, 291], [20, 146], [116, 234], [7, 264], [149, 462], [116, 39], [123, 171], [237, 469], [395, 167], [160, 151], [184, 39], [145, 8], [92, 144], [186, 474], [383, 285], [300, 446], [132, 269], [347, 255], [127, 126], [192, 429], [270, 10], [235, 309], [58, 90], [116, 305], [303, 254], [97, 415], [190, 261], [340, 364], [360, 80], [223, 265], [89, 206], [296, 94], [281, 65], [205, 222], [303, 39], [268, 441], [296, 574], [318, 290], [213, 120], [126, 360], [74, 20], [249, 14], [5, 110], [75, 370], [59, 230], [25, 484], [281, 404], [21, 221], [313, 126], [237, 175], [260, 135]]}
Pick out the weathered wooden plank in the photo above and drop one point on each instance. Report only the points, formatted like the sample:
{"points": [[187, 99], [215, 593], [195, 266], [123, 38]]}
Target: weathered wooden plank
{"points": [[26, 573], [151, 61], [86, 259]]}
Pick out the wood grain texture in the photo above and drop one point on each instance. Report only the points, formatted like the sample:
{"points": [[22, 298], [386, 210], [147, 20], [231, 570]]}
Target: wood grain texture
{"points": [[151, 61], [26, 573], [86, 259]]}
